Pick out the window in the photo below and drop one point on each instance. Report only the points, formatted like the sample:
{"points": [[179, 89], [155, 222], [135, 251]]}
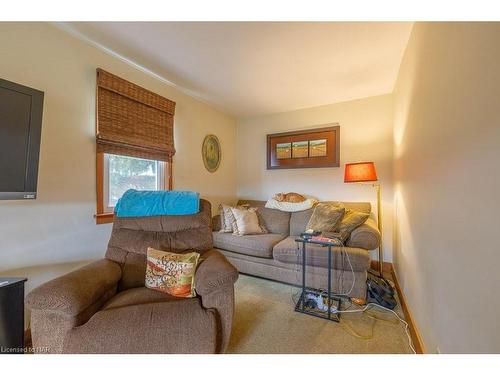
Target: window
{"points": [[124, 172], [134, 141], [118, 173]]}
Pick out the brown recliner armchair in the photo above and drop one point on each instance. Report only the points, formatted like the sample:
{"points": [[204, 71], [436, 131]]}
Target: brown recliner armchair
{"points": [[105, 308]]}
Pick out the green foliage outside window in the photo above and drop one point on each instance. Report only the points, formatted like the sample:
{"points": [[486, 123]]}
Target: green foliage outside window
{"points": [[130, 173]]}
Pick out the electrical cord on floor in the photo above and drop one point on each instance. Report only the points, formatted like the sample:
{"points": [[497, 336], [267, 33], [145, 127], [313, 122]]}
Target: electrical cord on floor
{"points": [[346, 294], [352, 332], [340, 278], [374, 318], [391, 311]]}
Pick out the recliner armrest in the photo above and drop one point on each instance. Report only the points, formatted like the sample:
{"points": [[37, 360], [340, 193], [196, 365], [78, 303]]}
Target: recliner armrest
{"points": [[366, 236], [214, 272], [72, 293]]}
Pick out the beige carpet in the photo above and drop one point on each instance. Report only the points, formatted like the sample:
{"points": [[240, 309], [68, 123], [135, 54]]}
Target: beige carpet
{"points": [[265, 322]]}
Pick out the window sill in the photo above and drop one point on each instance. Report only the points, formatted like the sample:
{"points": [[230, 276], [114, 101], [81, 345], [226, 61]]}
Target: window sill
{"points": [[104, 218]]}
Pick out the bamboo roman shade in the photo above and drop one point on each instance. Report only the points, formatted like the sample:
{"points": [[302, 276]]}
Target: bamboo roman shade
{"points": [[133, 121]]}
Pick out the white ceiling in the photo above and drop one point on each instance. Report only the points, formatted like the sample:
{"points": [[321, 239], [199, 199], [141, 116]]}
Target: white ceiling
{"points": [[252, 68]]}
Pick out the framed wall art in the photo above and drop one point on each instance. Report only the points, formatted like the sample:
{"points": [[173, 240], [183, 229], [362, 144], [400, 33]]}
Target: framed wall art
{"points": [[211, 153], [311, 148]]}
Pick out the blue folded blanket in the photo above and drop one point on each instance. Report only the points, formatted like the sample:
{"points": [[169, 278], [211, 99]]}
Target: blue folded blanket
{"points": [[134, 203]]}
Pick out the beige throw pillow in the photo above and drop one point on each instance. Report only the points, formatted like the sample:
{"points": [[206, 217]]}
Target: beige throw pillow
{"points": [[227, 218], [246, 221], [326, 217]]}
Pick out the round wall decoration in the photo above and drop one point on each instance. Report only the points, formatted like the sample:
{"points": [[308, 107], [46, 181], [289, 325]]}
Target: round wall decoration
{"points": [[211, 152]]}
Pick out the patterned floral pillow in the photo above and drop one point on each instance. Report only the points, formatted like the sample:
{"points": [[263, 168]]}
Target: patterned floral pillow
{"points": [[171, 273]]}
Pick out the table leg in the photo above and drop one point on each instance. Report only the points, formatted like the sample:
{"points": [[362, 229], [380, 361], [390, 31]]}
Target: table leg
{"points": [[329, 280], [303, 295]]}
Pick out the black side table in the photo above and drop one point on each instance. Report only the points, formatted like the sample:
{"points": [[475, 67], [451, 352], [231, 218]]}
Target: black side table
{"points": [[12, 315], [300, 306]]}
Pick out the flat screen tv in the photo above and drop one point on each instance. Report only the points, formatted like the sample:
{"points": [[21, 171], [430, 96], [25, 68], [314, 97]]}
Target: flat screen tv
{"points": [[21, 111]]}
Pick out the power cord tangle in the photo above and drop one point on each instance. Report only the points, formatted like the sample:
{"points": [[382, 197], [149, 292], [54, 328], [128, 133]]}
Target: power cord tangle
{"points": [[370, 305], [346, 294]]}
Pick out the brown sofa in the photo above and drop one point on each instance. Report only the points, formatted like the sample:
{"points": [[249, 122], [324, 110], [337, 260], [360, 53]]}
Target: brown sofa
{"points": [[105, 308], [277, 256]]}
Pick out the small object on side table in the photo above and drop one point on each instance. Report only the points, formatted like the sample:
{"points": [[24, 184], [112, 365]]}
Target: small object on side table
{"points": [[308, 234], [12, 315], [327, 240], [311, 300]]}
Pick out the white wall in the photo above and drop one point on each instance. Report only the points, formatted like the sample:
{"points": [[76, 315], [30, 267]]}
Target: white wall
{"points": [[447, 181], [44, 238], [366, 128]]}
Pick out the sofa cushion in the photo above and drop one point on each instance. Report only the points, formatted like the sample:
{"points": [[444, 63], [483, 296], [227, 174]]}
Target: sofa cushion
{"points": [[141, 320], [137, 296], [299, 220], [259, 245], [275, 221], [289, 251]]}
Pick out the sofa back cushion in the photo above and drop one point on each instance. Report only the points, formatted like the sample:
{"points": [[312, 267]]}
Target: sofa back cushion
{"points": [[275, 221], [299, 220], [131, 237]]}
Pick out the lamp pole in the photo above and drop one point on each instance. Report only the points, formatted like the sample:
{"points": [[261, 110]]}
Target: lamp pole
{"points": [[364, 172], [379, 223]]}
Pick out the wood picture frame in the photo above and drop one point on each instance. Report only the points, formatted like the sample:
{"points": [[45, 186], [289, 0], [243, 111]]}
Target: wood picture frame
{"points": [[310, 148]]}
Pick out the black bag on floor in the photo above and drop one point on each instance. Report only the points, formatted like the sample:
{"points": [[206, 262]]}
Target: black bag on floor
{"points": [[380, 293]]}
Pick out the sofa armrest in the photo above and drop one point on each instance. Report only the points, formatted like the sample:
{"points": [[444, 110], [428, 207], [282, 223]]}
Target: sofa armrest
{"points": [[214, 272], [366, 236], [74, 292]]}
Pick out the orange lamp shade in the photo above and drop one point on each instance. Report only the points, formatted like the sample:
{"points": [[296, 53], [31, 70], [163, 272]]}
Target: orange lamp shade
{"points": [[360, 172]]}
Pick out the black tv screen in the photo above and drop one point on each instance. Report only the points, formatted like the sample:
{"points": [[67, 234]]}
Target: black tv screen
{"points": [[21, 111]]}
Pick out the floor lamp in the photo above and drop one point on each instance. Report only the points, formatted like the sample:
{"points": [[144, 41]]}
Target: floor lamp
{"points": [[364, 172]]}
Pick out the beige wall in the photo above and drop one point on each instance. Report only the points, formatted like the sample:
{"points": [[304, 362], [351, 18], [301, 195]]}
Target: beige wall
{"points": [[447, 180], [366, 129], [58, 229]]}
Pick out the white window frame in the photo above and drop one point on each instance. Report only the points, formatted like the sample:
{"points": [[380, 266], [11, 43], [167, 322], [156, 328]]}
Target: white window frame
{"points": [[161, 182]]}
